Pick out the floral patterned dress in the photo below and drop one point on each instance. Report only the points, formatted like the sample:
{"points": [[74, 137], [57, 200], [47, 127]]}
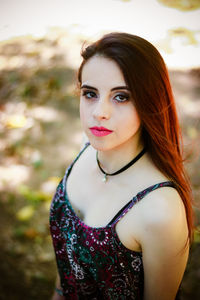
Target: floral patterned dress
{"points": [[92, 262]]}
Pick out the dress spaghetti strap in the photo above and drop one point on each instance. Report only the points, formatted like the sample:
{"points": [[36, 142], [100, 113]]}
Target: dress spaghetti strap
{"points": [[137, 198], [69, 168]]}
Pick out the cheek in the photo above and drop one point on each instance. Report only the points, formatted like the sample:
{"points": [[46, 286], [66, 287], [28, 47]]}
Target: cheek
{"points": [[130, 120], [85, 113], [137, 120], [82, 111]]}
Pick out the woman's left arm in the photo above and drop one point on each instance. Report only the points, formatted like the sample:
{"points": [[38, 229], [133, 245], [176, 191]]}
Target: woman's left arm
{"points": [[165, 252]]}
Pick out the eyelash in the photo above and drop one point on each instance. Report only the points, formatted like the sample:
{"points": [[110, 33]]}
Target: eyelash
{"points": [[123, 95], [86, 93]]}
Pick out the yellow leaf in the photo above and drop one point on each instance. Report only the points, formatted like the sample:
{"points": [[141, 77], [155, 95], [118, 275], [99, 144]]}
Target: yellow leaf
{"points": [[16, 121], [184, 5], [192, 132], [25, 213], [55, 179]]}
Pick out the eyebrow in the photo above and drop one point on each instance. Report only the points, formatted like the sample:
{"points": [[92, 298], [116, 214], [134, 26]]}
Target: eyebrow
{"points": [[123, 87]]}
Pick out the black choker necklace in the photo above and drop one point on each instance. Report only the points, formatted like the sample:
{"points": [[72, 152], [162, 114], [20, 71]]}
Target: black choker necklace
{"points": [[123, 168]]}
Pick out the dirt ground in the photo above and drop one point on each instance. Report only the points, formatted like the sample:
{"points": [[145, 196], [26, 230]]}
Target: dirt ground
{"points": [[40, 134]]}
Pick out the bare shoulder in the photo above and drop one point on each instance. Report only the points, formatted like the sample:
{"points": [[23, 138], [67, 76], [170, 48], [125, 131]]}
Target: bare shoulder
{"points": [[163, 235], [162, 214], [163, 205]]}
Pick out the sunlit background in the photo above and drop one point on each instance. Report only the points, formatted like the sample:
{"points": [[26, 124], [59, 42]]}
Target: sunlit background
{"points": [[172, 25], [40, 132]]}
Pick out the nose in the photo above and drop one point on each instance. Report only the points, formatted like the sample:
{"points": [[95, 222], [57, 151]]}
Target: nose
{"points": [[102, 110]]}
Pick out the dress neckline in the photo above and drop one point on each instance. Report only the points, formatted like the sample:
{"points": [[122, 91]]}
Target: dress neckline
{"points": [[81, 222], [66, 197], [110, 225]]}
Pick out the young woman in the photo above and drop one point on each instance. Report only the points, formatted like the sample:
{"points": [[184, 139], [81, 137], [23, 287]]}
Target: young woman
{"points": [[121, 218]]}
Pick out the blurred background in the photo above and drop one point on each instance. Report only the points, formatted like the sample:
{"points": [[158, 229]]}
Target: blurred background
{"points": [[40, 131]]}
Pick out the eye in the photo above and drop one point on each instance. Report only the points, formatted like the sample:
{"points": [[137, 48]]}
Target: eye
{"points": [[122, 97], [89, 94]]}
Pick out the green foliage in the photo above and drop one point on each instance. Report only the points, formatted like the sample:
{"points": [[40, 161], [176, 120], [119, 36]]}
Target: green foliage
{"points": [[53, 83], [37, 163], [197, 235], [30, 90], [33, 196]]}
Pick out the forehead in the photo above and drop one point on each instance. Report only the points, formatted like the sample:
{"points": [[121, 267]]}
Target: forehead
{"points": [[100, 70]]}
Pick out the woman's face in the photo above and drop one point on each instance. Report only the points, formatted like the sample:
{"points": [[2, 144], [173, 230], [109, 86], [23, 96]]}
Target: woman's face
{"points": [[108, 115]]}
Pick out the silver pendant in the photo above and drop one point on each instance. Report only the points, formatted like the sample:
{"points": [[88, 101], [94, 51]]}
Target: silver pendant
{"points": [[104, 178]]}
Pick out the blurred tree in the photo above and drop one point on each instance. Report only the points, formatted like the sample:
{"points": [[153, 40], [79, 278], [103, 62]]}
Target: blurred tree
{"points": [[188, 34], [183, 5]]}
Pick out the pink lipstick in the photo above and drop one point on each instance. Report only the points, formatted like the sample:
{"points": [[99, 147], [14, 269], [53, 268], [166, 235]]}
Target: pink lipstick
{"points": [[100, 131]]}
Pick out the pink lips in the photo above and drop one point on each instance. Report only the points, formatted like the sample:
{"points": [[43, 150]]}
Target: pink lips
{"points": [[100, 131]]}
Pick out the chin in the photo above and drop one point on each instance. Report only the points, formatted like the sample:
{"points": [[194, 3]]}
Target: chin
{"points": [[103, 145], [98, 145]]}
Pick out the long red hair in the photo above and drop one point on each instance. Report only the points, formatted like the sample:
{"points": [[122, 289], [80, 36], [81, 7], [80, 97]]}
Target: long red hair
{"points": [[147, 77]]}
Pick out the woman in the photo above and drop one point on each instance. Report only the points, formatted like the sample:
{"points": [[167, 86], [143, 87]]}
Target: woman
{"points": [[121, 219]]}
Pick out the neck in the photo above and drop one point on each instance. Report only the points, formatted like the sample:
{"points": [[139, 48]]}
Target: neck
{"points": [[114, 159]]}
